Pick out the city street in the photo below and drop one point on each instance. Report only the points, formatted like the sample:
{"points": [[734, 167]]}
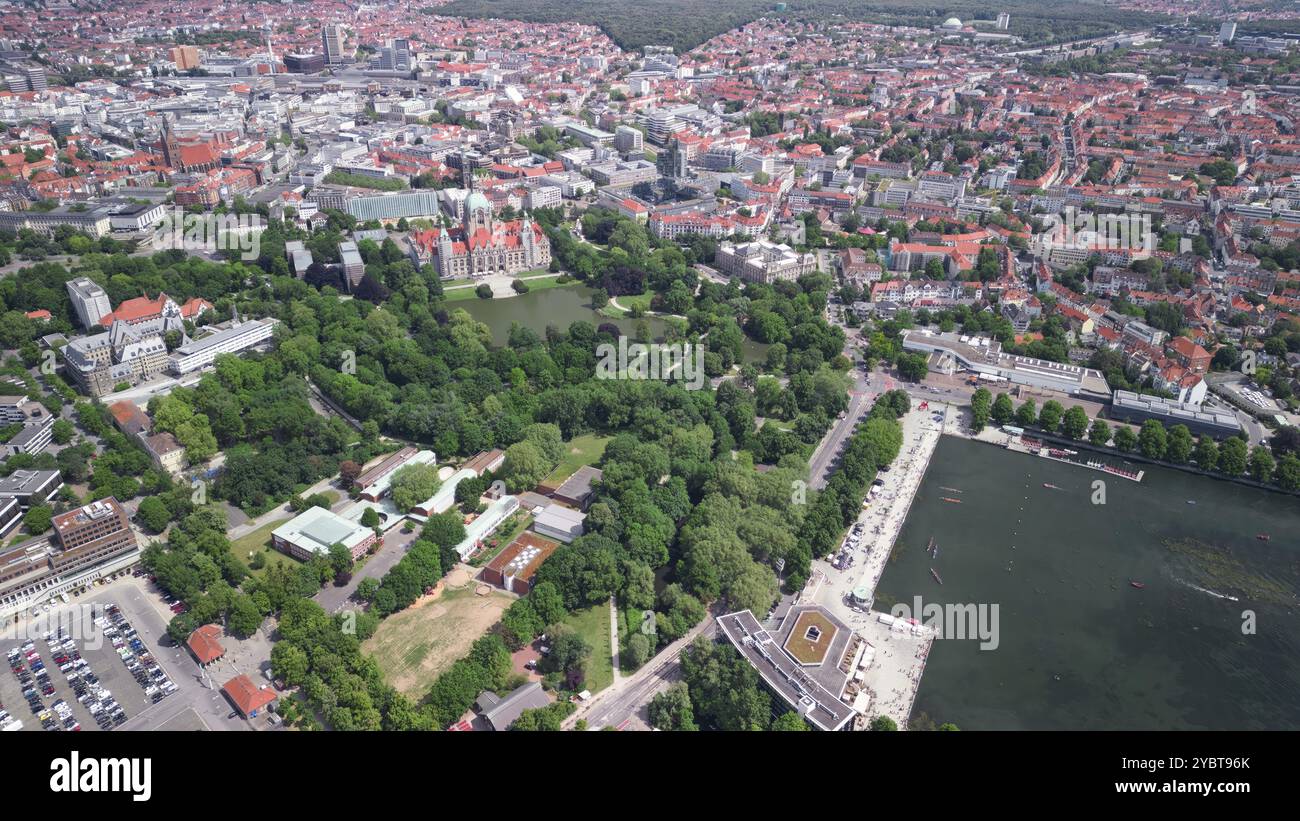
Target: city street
{"points": [[827, 454], [623, 704]]}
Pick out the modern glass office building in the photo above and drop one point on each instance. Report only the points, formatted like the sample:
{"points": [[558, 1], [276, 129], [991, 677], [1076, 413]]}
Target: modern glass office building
{"points": [[395, 206]]}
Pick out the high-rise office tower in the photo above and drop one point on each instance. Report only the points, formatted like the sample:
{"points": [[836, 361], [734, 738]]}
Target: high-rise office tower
{"points": [[89, 301], [331, 36]]}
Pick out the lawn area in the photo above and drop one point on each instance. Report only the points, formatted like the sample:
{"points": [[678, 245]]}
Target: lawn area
{"points": [[415, 646], [581, 450], [259, 542], [544, 281], [593, 625], [641, 301], [459, 294], [537, 281], [363, 181], [811, 638]]}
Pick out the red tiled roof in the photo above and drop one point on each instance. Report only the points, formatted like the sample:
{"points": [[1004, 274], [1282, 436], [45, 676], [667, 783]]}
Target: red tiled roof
{"points": [[142, 307], [134, 310], [247, 696], [195, 306], [194, 155], [205, 643], [1187, 348], [126, 412]]}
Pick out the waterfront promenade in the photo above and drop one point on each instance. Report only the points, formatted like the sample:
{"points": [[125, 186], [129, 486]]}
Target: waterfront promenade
{"points": [[895, 673]]}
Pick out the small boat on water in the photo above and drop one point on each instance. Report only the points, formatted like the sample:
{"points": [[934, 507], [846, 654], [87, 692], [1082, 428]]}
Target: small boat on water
{"points": [[935, 573], [932, 548], [949, 489], [1050, 486], [950, 499], [1191, 501], [1263, 537], [1138, 585]]}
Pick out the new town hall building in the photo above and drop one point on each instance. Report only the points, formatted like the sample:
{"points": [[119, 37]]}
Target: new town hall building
{"points": [[481, 245]]}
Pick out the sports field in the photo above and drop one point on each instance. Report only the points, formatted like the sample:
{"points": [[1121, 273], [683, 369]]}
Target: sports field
{"points": [[414, 646]]}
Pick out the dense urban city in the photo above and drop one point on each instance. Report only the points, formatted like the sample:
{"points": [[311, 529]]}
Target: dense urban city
{"points": [[485, 366]]}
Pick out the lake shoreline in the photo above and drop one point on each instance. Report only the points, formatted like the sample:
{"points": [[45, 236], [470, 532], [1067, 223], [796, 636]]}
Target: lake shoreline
{"points": [[1080, 647]]}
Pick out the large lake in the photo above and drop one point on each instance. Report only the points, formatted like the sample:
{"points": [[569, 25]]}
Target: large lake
{"points": [[1080, 647]]}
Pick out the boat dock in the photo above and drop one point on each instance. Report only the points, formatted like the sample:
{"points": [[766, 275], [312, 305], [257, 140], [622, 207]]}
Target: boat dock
{"points": [[1062, 455]]}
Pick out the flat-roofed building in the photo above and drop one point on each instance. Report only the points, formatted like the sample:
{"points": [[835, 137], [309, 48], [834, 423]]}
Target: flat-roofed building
{"points": [[89, 301], [135, 216], [11, 513], [576, 490], [515, 568], [354, 268], [92, 533], [331, 35], [32, 439], [1136, 408], [445, 496], [25, 570], [92, 221], [203, 351], [314, 531], [1146, 334], [299, 258], [985, 356], [622, 173], [628, 139], [392, 206], [559, 522], [89, 543], [185, 57], [587, 135], [12, 409], [809, 664], [304, 63], [484, 524], [31, 487]]}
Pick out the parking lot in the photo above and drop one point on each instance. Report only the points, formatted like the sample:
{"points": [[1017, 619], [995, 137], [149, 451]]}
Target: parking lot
{"points": [[66, 672]]}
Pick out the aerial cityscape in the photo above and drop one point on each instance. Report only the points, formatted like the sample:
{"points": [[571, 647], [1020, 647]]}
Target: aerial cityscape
{"points": [[498, 366]]}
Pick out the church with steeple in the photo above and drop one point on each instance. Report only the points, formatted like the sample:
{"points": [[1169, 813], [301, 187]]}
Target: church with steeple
{"points": [[481, 244], [189, 156]]}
